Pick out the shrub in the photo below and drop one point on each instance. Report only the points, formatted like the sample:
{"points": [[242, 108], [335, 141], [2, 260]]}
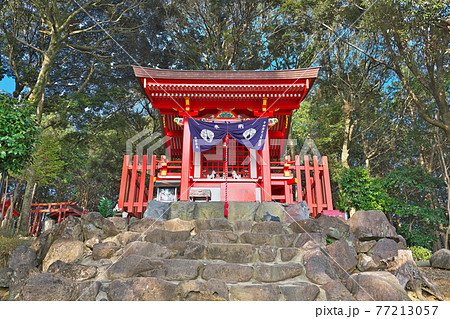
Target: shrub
{"points": [[105, 207], [360, 190], [420, 253], [7, 246]]}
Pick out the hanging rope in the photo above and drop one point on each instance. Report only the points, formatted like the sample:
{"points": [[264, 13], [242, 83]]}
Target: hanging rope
{"points": [[226, 175]]}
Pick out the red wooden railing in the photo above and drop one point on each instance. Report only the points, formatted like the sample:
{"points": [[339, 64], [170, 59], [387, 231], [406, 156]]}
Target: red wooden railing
{"points": [[311, 180]]}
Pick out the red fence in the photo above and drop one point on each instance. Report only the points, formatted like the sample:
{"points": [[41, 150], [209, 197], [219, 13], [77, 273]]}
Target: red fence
{"points": [[290, 182]]}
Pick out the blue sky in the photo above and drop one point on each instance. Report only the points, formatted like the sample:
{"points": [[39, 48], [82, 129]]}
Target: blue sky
{"points": [[7, 84]]}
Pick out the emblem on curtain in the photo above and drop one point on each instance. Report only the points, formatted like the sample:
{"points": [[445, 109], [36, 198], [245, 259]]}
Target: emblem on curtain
{"points": [[250, 133]]}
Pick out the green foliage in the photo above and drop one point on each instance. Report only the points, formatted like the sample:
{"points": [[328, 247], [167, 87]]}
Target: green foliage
{"points": [[105, 207], [420, 253], [413, 198], [409, 194], [19, 133], [48, 164], [360, 191]]}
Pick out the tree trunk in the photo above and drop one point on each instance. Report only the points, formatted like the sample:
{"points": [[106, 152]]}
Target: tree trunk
{"points": [[348, 128], [37, 94], [27, 199], [9, 213]]}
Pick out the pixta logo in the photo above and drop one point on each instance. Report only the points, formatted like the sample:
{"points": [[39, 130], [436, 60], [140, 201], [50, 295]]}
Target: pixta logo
{"points": [[146, 141]]}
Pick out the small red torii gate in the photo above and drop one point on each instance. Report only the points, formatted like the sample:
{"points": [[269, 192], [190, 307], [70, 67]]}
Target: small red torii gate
{"points": [[55, 211]]}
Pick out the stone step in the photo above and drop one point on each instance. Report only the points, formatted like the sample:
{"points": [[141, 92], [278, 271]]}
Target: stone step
{"points": [[213, 289]]}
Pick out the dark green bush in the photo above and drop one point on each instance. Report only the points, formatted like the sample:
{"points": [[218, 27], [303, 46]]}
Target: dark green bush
{"points": [[106, 207]]}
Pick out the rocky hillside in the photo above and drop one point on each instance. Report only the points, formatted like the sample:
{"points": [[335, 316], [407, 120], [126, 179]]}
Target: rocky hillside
{"points": [[94, 258]]}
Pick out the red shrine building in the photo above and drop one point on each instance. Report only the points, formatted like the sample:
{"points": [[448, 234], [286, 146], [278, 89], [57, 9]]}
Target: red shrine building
{"points": [[228, 170]]}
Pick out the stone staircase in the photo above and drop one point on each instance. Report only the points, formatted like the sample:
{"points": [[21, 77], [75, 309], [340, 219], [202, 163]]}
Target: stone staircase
{"points": [[204, 260], [214, 259]]}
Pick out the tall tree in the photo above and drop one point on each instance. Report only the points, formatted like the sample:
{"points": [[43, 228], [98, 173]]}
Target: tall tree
{"points": [[416, 35]]}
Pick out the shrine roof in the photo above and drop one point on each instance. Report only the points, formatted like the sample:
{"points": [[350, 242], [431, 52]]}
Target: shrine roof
{"points": [[242, 75]]}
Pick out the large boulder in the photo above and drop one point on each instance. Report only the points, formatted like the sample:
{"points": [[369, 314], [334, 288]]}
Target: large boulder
{"points": [[273, 208], [336, 291], [342, 256], [285, 240], [144, 226], [95, 224], [127, 237], [277, 272], [181, 269], [104, 250], [318, 267], [165, 237], [366, 263], [209, 210], [242, 211], [234, 253], [48, 287], [157, 210], [22, 255], [257, 239], [215, 236], [270, 227], [88, 290], [385, 249], [267, 292], [372, 224], [179, 225], [42, 244], [310, 225], [334, 227], [66, 250], [212, 290], [146, 249], [183, 210], [5, 277], [19, 278], [134, 265], [142, 289], [365, 246], [242, 226], [311, 241], [267, 254], [213, 224], [187, 250], [228, 272], [441, 259], [69, 228], [376, 286], [297, 211], [75, 272], [287, 254], [301, 291], [120, 223]]}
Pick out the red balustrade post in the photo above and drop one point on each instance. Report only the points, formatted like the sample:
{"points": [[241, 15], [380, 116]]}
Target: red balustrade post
{"points": [[318, 185]]}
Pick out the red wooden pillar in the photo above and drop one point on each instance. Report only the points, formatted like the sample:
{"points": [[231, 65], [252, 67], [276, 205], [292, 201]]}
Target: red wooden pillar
{"points": [[309, 198], [152, 178], [318, 185], [142, 186], [265, 165], [124, 181], [298, 176], [326, 177], [187, 161], [132, 194]]}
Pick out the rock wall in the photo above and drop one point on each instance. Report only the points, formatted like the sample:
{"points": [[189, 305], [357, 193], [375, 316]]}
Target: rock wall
{"points": [[94, 258]]}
